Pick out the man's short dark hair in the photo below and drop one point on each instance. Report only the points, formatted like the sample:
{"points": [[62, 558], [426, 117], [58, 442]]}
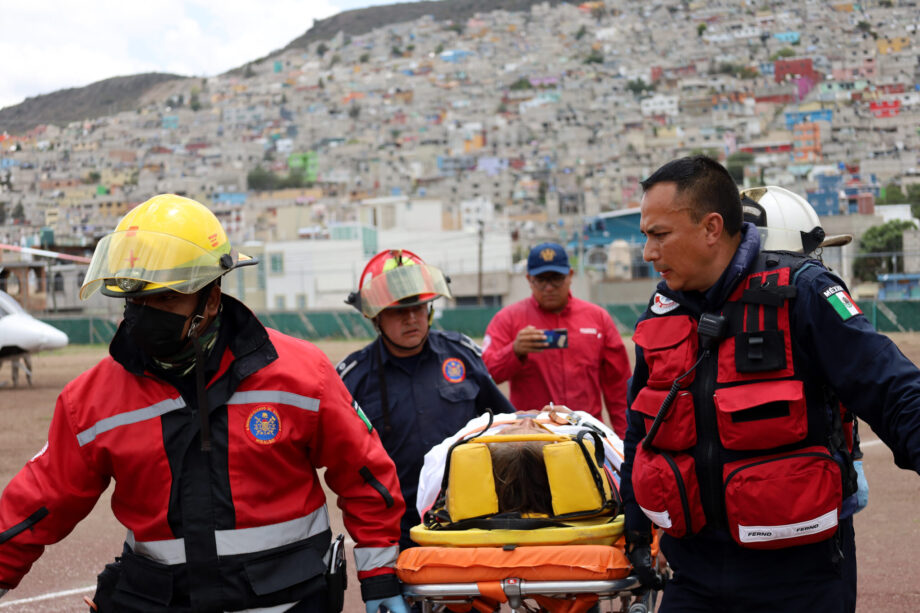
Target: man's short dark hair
{"points": [[709, 186]]}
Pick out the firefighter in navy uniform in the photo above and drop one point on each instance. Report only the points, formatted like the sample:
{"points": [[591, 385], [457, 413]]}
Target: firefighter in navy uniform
{"points": [[787, 222], [734, 444], [213, 428], [416, 385]]}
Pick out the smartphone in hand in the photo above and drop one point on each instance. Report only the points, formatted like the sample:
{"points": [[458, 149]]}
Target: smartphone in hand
{"points": [[557, 338]]}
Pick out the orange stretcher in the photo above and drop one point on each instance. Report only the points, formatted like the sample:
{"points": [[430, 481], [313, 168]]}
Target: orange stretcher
{"points": [[570, 565], [559, 579]]}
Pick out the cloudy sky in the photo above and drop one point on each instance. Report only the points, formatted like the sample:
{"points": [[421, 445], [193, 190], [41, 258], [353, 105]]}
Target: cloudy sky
{"points": [[47, 45]]}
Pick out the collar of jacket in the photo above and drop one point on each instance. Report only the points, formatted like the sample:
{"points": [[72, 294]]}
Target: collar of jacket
{"points": [[737, 269], [240, 331]]}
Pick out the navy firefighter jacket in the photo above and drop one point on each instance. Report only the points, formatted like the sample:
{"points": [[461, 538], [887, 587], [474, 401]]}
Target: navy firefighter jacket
{"points": [[833, 344], [430, 397]]}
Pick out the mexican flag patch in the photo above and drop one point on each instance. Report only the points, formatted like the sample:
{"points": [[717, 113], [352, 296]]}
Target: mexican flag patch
{"points": [[361, 414], [841, 301]]}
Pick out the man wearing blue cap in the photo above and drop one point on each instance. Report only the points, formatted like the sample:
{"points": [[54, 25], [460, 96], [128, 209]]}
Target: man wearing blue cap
{"points": [[553, 347]]}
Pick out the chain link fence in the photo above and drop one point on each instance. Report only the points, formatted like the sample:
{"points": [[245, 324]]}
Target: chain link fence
{"points": [[886, 316]]}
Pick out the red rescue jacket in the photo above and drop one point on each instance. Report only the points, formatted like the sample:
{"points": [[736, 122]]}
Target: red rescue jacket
{"points": [[593, 367], [246, 521]]}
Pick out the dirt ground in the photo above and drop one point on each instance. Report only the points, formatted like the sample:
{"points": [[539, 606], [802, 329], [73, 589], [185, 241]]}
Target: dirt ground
{"points": [[887, 532]]}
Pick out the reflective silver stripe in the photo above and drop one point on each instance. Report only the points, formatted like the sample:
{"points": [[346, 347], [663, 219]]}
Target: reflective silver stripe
{"points": [[260, 538], [369, 558], [131, 417], [164, 552], [233, 542], [275, 397], [276, 609]]}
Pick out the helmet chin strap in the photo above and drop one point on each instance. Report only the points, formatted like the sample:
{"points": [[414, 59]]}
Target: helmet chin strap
{"points": [[194, 333]]}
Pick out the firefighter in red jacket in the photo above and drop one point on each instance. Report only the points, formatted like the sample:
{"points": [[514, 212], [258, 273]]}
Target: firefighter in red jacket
{"points": [[213, 428], [586, 369]]}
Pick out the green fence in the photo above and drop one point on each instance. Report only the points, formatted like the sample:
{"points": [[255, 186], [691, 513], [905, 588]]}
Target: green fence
{"points": [[889, 316]]}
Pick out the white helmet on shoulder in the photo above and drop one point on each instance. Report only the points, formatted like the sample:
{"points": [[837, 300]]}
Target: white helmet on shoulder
{"points": [[786, 221]]}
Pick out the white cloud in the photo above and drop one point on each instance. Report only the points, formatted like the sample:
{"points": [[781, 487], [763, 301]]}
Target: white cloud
{"points": [[49, 45]]}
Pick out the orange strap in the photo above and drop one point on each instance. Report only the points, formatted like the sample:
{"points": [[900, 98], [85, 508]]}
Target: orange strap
{"points": [[492, 589]]}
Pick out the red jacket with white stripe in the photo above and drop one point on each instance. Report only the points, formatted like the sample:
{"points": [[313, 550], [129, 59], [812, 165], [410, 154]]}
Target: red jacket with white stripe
{"points": [[594, 365], [246, 520]]}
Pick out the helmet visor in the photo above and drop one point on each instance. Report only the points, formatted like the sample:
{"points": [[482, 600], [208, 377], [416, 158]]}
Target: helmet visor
{"points": [[400, 283], [139, 261], [781, 239]]}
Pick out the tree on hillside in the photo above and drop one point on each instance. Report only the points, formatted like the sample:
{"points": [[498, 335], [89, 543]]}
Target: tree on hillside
{"points": [[882, 247], [893, 195], [913, 197], [259, 179], [784, 52], [637, 86], [735, 164], [522, 83], [595, 57]]}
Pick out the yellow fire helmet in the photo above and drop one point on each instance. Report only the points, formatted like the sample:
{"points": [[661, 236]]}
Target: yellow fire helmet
{"points": [[166, 243]]}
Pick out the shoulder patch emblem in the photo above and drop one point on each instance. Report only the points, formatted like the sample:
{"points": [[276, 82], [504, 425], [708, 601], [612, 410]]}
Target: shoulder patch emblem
{"points": [[264, 425], [841, 301], [663, 304], [453, 370]]}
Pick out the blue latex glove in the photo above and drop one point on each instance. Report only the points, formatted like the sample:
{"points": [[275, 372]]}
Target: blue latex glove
{"points": [[394, 604], [862, 489]]}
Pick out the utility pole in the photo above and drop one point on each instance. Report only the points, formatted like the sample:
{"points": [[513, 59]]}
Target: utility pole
{"points": [[481, 233], [579, 226]]}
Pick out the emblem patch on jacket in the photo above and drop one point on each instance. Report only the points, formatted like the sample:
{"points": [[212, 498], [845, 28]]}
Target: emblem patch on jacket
{"points": [[663, 304], [453, 370], [264, 425], [841, 301]]}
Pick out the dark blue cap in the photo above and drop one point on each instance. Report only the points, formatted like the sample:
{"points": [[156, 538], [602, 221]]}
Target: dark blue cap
{"points": [[547, 257]]}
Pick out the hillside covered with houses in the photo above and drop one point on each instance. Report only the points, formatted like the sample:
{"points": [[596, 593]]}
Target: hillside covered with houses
{"points": [[469, 141]]}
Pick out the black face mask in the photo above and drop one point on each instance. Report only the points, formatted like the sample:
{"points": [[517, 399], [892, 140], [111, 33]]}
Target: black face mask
{"points": [[158, 333]]}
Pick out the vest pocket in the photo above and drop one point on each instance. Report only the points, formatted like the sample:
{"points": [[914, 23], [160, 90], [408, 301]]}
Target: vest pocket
{"points": [[761, 415], [284, 569], [678, 429], [783, 500], [668, 492], [669, 345]]}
